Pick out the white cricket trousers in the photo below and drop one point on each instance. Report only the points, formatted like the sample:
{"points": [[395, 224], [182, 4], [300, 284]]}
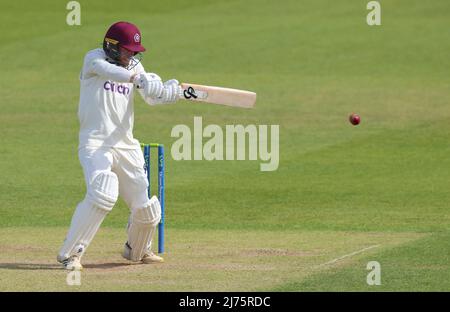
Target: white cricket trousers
{"points": [[127, 164]]}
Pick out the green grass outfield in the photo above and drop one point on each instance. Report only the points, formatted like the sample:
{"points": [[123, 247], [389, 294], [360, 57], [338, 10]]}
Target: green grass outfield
{"points": [[342, 195]]}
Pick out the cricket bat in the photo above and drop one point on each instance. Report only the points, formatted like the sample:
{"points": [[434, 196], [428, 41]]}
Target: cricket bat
{"points": [[218, 95]]}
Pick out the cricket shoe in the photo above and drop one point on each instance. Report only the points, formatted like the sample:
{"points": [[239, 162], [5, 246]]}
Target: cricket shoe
{"points": [[149, 256], [72, 263]]}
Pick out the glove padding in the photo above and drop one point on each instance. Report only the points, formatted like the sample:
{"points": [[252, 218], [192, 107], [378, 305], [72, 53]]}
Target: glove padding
{"points": [[151, 84], [171, 92]]}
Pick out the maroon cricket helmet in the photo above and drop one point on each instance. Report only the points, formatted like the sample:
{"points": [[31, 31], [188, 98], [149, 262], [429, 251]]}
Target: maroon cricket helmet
{"points": [[126, 35]]}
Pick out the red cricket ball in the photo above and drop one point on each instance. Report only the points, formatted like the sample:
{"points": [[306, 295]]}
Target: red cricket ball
{"points": [[354, 119]]}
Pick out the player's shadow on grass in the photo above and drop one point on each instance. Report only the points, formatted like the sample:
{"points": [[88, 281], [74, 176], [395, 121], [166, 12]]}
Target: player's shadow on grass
{"points": [[38, 266], [29, 266]]}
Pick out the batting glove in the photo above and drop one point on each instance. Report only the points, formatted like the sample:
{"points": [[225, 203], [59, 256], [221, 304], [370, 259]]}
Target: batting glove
{"points": [[151, 84], [172, 91]]}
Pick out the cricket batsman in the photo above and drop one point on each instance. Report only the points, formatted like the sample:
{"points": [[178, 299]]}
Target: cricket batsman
{"points": [[112, 159]]}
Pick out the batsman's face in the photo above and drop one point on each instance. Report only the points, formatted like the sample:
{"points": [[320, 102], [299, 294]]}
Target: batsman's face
{"points": [[125, 56]]}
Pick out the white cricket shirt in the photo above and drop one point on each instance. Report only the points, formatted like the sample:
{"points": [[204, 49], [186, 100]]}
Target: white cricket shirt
{"points": [[106, 103]]}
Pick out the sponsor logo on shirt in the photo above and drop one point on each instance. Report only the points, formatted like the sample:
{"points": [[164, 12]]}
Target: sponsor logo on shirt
{"points": [[114, 87]]}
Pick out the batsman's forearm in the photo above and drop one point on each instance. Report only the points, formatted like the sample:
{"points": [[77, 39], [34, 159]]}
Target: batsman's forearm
{"points": [[110, 71]]}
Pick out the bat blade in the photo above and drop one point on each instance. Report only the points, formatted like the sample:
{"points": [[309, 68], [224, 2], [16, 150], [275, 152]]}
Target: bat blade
{"points": [[218, 95]]}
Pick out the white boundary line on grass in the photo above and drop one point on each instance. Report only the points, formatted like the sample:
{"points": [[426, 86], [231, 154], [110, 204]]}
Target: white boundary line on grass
{"points": [[349, 255]]}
